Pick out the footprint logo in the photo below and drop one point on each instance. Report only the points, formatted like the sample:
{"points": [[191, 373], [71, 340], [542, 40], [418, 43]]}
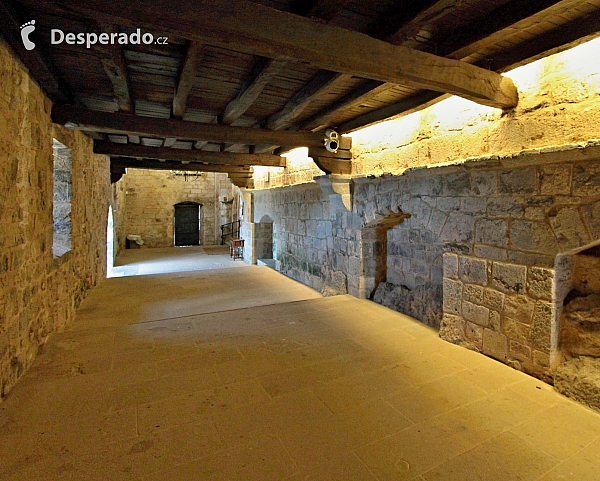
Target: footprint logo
{"points": [[26, 29]]}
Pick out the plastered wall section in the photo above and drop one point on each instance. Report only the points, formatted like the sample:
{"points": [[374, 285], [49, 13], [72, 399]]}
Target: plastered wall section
{"points": [[150, 196], [39, 294]]}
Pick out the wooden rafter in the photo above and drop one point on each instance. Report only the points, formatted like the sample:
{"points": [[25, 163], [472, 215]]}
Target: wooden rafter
{"points": [[263, 74], [187, 77], [113, 63], [216, 158], [316, 88], [118, 123], [260, 30]]}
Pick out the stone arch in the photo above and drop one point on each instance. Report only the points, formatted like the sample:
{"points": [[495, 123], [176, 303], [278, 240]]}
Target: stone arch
{"points": [[403, 257]]}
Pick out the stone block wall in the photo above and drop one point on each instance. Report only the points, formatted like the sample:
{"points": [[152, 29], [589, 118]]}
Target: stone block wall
{"points": [[504, 310], [39, 293], [151, 195], [470, 247]]}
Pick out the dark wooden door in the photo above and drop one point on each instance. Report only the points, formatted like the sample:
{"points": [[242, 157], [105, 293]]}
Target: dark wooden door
{"points": [[187, 224]]}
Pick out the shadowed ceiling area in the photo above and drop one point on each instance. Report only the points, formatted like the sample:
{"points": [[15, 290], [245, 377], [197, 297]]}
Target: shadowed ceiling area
{"points": [[224, 85]]}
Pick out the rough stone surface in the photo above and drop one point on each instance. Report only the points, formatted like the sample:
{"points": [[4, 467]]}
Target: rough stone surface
{"points": [[581, 327], [580, 379], [39, 294]]}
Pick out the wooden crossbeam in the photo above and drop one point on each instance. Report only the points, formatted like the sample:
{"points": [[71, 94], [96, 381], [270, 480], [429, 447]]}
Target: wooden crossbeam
{"points": [[187, 77], [215, 158], [113, 63], [265, 31], [118, 123], [41, 68], [548, 43], [152, 164]]}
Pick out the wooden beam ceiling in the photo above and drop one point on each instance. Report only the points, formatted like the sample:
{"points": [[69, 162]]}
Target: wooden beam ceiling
{"points": [[118, 123], [324, 10], [264, 31], [215, 158]]}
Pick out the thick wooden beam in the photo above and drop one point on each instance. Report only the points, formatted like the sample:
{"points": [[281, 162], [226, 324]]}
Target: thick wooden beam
{"points": [[263, 74], [319, 86], [220, 158], [187, 77], [113, 63], [39, 66], [152, 164], [118, 123], [253, 28], [339, 162], [366, 92]]}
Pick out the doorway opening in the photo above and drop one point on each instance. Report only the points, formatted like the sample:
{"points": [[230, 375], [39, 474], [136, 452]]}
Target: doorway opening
{"points": [[187, 224], [110, 243]]}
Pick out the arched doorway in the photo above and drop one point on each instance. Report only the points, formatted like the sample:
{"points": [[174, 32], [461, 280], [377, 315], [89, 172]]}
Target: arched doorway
{"points": [[187, 224]]}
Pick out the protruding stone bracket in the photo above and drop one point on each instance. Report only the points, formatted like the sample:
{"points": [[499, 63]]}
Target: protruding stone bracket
{"points": [[340, 189]]}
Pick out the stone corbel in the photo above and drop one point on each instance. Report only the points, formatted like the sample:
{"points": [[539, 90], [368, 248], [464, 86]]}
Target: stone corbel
{"points": [[340, 189]]}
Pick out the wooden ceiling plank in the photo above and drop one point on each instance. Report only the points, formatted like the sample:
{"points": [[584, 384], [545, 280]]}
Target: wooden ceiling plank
{"points": [[368, 91], [164, 153], [119, 123], [253, 28], [464, 41]]}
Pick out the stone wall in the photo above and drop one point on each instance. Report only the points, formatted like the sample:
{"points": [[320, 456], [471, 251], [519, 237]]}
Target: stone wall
{"points": [[151, 195], [470, 246], [39, 293]]}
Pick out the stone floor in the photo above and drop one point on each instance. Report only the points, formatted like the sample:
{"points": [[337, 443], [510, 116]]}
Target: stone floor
{"points": [[187, 376]]}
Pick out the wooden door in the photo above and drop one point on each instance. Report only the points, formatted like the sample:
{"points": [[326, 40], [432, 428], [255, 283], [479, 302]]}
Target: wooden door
{"points": [[187, 224]]}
